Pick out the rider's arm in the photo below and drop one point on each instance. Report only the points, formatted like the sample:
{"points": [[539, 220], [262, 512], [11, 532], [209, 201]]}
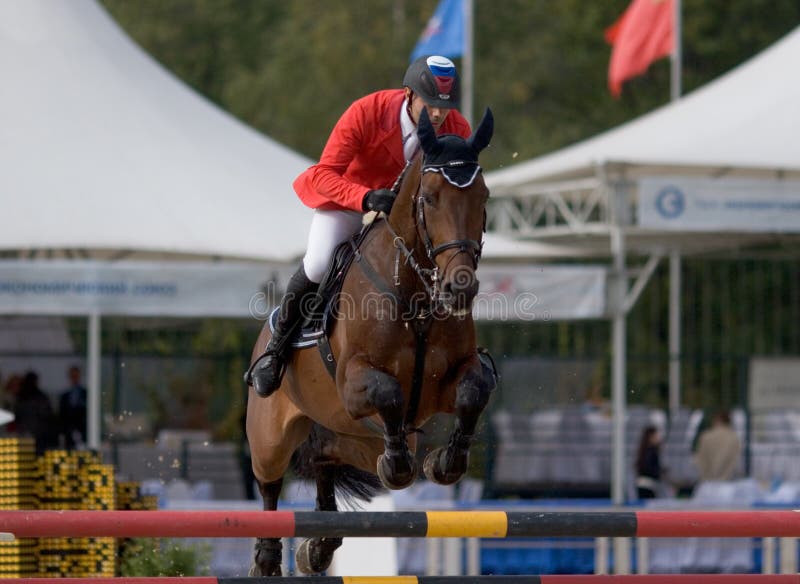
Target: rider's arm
{"points": [[326, 177]]}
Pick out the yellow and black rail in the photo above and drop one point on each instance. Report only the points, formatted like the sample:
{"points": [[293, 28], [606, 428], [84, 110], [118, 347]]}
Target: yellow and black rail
{"points": [[488, 524]]}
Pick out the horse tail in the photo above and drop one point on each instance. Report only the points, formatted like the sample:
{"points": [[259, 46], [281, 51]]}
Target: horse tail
{"points": [[351, 484]]}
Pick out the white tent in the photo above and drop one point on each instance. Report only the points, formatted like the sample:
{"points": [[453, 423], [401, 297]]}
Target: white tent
{"points": [[717, 169], [745, 122], [106, 154]]}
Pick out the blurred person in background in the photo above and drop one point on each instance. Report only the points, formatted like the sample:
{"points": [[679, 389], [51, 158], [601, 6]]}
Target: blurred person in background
{"points": [[718, 450], [34, 414], [11, 395], [648, 464], [72, 411], [10, 389]]}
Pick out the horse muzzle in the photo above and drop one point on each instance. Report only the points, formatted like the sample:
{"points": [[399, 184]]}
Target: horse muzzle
{"points": [[459, 289]]}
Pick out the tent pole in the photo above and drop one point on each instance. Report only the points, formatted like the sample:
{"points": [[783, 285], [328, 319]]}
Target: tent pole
{"points": [[93, 379], [674, 333], [618, 383]]}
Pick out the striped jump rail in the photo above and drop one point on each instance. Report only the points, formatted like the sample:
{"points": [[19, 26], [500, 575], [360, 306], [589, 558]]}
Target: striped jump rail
{"points": [[487, 524], [559, 579]]}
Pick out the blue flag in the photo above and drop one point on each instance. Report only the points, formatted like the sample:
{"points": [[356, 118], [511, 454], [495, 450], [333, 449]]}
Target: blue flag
{"points": [[444, 33]]}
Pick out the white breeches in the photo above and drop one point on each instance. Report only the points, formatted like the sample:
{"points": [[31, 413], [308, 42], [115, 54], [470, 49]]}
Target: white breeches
{"points": [[328, 229]]}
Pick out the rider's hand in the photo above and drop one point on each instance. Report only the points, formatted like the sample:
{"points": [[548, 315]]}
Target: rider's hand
{"points": [[378, 200]]}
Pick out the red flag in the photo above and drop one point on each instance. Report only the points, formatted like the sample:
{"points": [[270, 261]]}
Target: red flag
{"points": [[642, 35]]}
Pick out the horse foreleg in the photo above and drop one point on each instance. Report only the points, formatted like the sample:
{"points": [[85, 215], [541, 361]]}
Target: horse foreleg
{"points": [[315, 554], [268, 549], [370, 390], [447, 465]]}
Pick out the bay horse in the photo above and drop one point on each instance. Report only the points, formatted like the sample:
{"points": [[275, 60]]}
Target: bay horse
{"points": [[401, 348]]}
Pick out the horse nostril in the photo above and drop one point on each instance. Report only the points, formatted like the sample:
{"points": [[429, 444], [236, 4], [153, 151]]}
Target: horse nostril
{"points": [[460, 292]]}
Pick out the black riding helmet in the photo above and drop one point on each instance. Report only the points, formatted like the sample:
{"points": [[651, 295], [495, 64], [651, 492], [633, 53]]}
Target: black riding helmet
{"points": [[435, 80]]}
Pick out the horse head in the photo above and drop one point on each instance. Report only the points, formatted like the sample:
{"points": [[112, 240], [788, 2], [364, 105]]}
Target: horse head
{"points": [[450, 208]]}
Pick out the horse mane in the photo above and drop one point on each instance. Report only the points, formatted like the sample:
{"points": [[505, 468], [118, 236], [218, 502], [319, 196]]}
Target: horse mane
{"points": [[409, 183]]}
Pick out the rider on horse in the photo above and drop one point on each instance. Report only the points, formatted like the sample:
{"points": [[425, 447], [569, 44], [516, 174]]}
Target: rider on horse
{"points": [[366, 151]]}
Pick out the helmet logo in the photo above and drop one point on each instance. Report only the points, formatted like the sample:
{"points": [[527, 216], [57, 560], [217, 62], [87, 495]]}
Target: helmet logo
{"points": [[444, 74], [444, 84]]}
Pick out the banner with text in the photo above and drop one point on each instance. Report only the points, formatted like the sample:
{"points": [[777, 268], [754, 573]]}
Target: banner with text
{"points": [[138, 288], [507, 292], [540, 293], [724, 204]]}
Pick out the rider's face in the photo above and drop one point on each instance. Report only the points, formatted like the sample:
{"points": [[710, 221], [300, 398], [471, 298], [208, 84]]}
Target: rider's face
{"points": [[436, 115]]}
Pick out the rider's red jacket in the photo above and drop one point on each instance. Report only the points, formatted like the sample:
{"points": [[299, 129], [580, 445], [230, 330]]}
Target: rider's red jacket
{"points": [[364, 152]]}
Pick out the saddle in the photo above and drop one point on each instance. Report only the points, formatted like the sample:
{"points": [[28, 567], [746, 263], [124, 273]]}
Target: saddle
{"points": [[316, 326]]}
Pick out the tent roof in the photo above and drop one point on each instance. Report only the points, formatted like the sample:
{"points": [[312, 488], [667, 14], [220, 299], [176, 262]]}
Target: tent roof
{"points": [[104, 151], [107, 155], [746, 119]]}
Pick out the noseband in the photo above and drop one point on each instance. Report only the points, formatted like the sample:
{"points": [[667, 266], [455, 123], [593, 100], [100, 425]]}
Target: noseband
{"points": [[475, 248]]}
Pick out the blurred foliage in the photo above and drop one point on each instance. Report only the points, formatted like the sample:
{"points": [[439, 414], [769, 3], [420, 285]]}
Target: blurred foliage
{"points": [[164, 557], [291, 68]]}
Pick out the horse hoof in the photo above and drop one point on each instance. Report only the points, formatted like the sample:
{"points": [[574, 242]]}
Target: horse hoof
{"points": [[395, 480], [432, 468], [308, 562]]}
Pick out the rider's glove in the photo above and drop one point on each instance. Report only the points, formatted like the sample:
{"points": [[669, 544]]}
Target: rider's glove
{"points": [[378, 200]]}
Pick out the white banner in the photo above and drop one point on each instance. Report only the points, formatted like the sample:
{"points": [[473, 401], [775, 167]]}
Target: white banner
{"points": [[540, 293], [724, 204], [507, 292], [137, 288], [774, 383]]}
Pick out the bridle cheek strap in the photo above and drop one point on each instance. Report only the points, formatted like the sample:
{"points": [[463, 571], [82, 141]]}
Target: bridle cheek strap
{"points": [[475, 248]]}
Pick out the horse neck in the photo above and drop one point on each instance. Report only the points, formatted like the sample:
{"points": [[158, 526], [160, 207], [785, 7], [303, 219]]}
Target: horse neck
{"points": [[401, 223]]}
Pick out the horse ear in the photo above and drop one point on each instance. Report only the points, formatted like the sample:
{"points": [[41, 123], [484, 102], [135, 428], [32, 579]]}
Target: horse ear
{"points": [[426, 133], [483, 135]]}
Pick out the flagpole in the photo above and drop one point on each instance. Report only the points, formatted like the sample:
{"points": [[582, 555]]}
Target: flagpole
{"points": [[467, 63], [675, 85], [675, 255]]}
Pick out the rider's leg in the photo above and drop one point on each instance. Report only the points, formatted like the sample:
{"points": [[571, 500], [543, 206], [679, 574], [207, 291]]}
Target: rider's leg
{"points": [[328, 229], [267, 374]]}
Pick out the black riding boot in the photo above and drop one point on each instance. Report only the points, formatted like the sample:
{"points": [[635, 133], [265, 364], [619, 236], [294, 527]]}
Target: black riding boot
{"points": [[265, 376]]}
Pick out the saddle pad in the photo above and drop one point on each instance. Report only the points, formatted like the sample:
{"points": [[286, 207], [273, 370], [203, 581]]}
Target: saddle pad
{"points": [[308, 335]]}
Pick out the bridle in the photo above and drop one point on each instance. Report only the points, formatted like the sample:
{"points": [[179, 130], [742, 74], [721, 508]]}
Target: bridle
{"points": [[431, 276], [475, 248]]}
